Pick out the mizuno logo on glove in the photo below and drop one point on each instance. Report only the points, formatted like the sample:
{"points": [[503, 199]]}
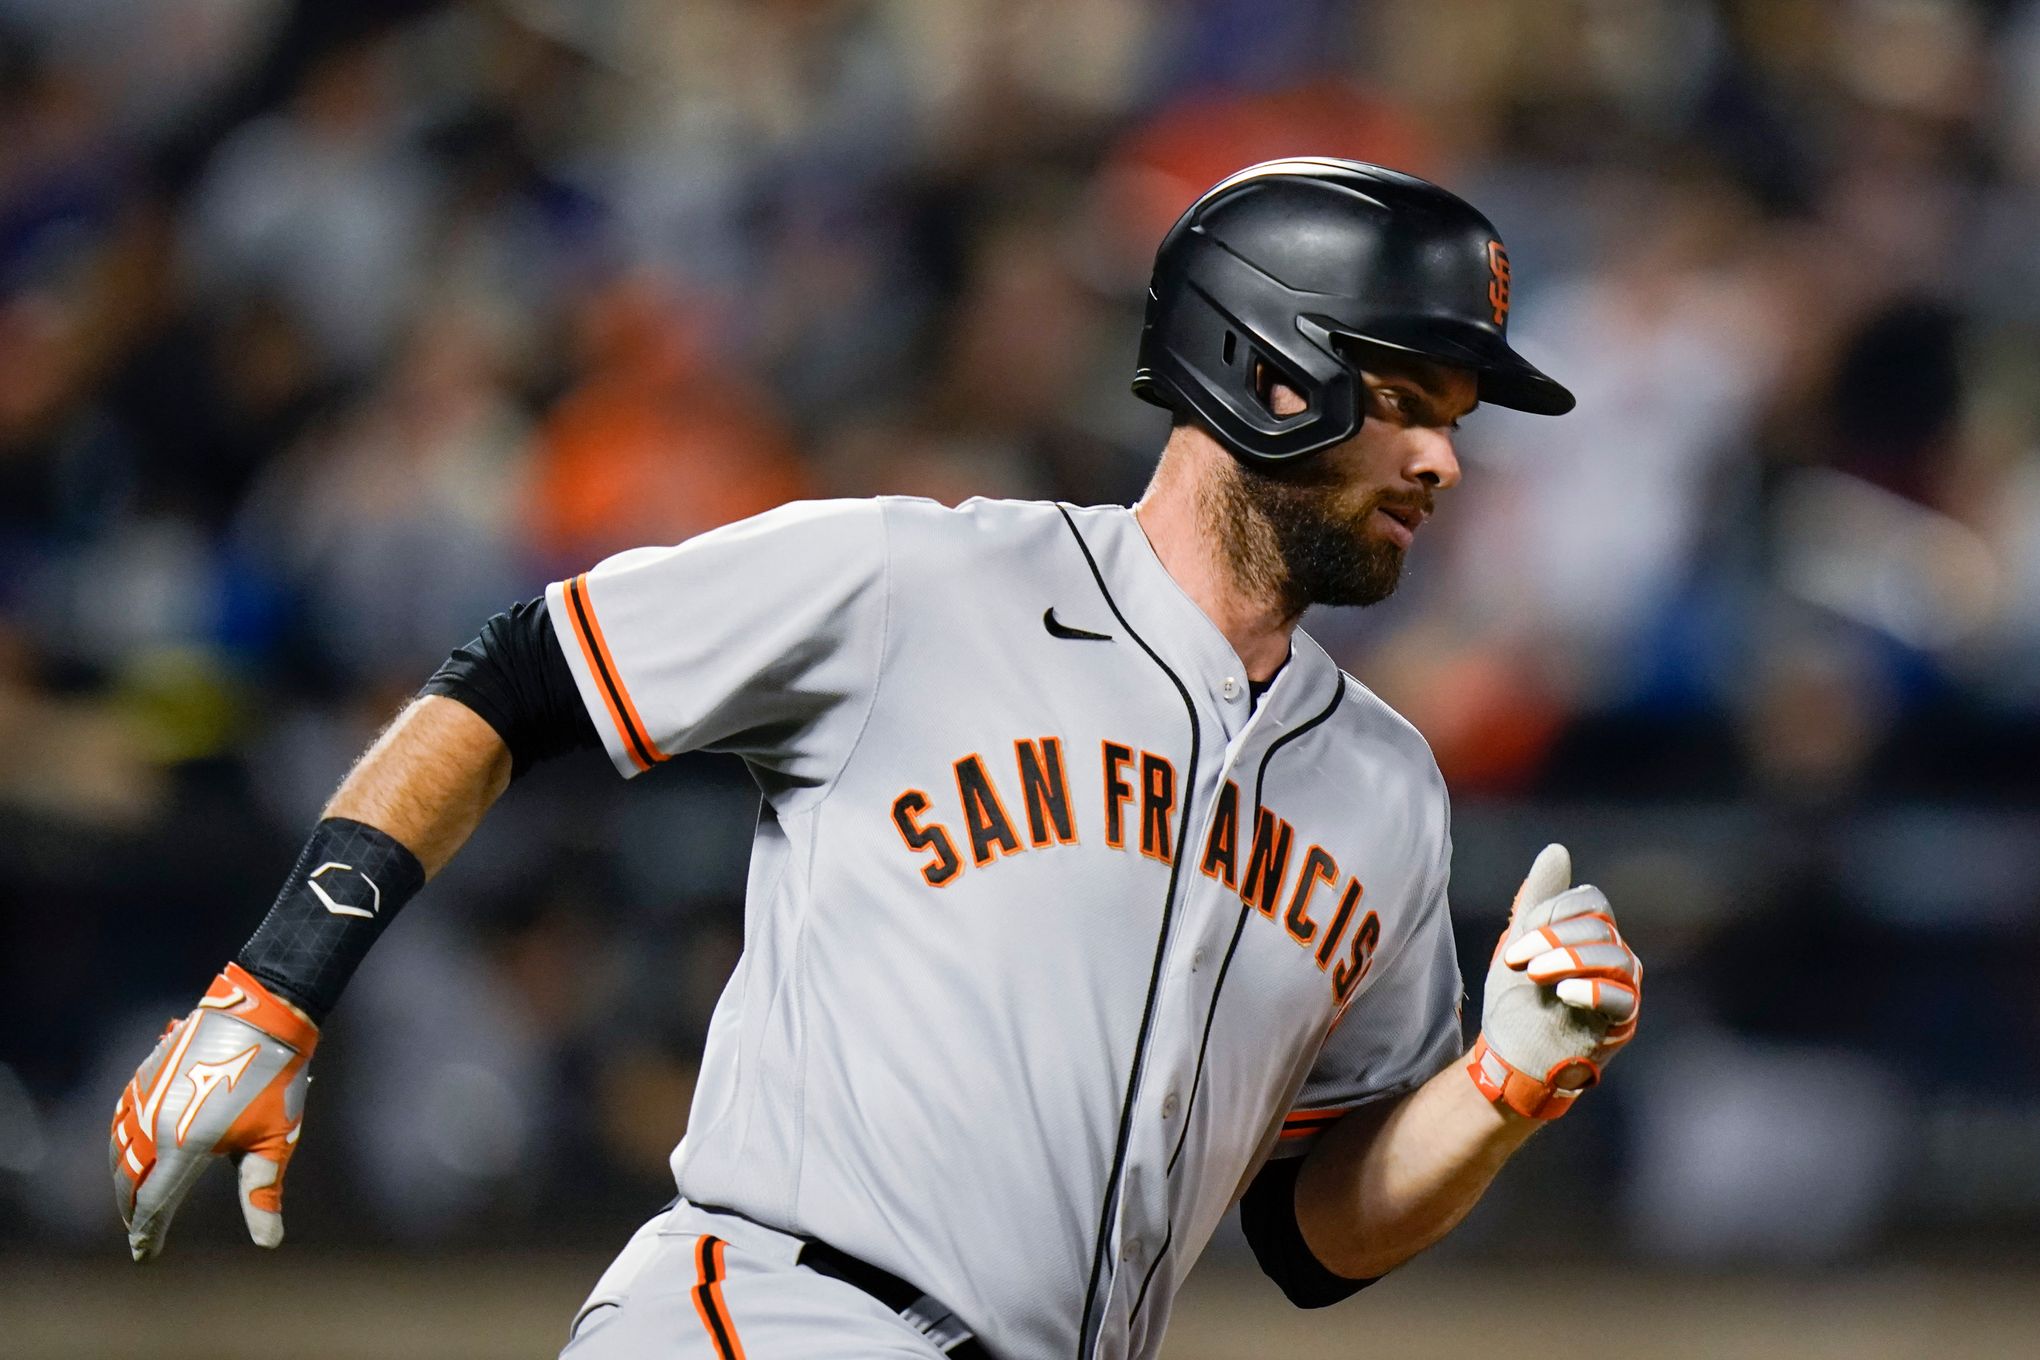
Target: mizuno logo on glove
{"points": [[205, 1078]]}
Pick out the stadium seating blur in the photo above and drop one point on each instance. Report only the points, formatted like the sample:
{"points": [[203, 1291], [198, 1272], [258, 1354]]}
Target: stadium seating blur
{"points": [[328, 330]]}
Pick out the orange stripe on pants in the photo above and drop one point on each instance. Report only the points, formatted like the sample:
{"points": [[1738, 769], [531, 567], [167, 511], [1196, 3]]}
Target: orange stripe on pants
{"points": [[708, 1299]]}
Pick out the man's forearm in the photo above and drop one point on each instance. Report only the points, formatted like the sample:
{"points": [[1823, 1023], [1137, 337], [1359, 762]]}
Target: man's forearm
{"points": [[407, 805], [427, 780], [1386, 1183]]}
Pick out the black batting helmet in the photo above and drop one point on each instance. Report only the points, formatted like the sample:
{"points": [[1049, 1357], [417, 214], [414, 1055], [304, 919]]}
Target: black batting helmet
{"points": [[1283, 260]]}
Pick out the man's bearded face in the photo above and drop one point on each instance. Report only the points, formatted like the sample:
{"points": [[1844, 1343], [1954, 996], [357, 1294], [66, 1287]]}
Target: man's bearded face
{"points": [[1305, 534]]}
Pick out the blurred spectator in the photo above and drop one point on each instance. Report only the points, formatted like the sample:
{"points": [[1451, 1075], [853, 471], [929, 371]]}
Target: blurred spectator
{"points": [[324, 205], [662, 437], [396, 524]]}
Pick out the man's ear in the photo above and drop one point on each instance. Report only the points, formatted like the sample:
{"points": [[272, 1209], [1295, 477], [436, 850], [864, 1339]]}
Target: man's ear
{"points": [[1277, 397]]}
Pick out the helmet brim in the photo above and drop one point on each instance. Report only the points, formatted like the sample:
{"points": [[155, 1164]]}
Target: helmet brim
{"points": [[1506, 377]]}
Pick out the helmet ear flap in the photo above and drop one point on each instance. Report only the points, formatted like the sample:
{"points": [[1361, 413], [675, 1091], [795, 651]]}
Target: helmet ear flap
{"points": [[1210, 325], [1257, 374], [1320, 392]]}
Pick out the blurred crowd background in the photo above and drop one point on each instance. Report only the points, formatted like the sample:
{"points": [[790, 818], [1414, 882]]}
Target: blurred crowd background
{"points": [[327, 330]]}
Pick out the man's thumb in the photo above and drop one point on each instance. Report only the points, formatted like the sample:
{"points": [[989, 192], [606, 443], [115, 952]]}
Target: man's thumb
{"points": [[1549, 876], [262, 1199]]}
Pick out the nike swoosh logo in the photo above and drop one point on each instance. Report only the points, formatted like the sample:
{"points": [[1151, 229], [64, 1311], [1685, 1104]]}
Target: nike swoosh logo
{"points": [[1056, 628]]}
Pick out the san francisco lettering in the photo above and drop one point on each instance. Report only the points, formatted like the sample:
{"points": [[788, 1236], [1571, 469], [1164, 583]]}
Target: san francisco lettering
{"points": [[1300, 887]]}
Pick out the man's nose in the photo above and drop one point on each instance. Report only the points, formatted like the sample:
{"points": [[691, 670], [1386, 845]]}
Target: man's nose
{"points": [[1432, 459]]}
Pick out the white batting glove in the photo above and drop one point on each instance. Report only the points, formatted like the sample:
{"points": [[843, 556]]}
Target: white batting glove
{"points": [[1563, 992], [227, 1080]]}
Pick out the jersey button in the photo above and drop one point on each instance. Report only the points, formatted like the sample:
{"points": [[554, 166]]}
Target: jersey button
{"points": [[1169, 1105], [1231, 688], [1197, 958]]}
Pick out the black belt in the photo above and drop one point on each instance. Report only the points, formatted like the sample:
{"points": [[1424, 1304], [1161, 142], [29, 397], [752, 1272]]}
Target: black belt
{"points": [[888, 1288]]}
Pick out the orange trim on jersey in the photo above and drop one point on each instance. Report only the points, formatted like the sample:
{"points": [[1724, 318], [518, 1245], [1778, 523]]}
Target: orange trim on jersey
{"points": [[1222, 842], [1318, 867], [997, 832], [637, 740], [947, 865], [1267, 862], [1346, 977], [1045, 791], [1155, 834], [1118, 793], [1348, 900], [708, 1299], [1309, 1123]]}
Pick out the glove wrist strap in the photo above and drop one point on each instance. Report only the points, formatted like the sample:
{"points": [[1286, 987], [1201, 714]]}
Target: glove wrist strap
{"points": [[238, 993], [1529, 1096]]}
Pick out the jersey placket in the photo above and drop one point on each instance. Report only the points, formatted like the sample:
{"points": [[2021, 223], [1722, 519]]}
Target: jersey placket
{"points": [[1232, 735], [1181, 642], [1141, 1230], [1205, 930]]}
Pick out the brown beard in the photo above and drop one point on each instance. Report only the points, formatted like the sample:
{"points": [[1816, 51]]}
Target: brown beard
{"points": [[1285, 535]]}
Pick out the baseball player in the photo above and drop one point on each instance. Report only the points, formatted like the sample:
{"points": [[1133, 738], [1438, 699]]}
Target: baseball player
{"points": [[1088, 896]]}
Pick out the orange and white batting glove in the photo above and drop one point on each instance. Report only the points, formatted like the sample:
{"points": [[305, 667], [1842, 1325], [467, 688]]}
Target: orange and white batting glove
{"points": [[227, 1080], [1563, 992]]}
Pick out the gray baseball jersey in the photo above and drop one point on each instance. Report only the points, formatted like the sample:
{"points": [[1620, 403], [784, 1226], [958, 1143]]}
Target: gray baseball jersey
{"points": [[1053, 935]]}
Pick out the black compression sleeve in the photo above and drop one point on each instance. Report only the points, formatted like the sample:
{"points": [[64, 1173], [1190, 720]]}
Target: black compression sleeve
{"points": [[1268, 1215], [515, 676]]}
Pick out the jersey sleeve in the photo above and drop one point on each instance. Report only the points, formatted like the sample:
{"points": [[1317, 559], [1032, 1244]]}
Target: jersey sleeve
{"points": [[760, 638], [1403, 1028]]}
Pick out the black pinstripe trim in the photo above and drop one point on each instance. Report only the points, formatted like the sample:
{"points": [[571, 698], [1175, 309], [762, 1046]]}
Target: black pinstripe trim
{"points": [[1239, 927], [1149, 1278], [1147, 1015]]}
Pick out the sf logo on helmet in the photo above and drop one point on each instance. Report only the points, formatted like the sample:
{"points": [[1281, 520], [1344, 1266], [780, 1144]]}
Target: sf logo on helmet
{"points": [[1498, 287]]}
